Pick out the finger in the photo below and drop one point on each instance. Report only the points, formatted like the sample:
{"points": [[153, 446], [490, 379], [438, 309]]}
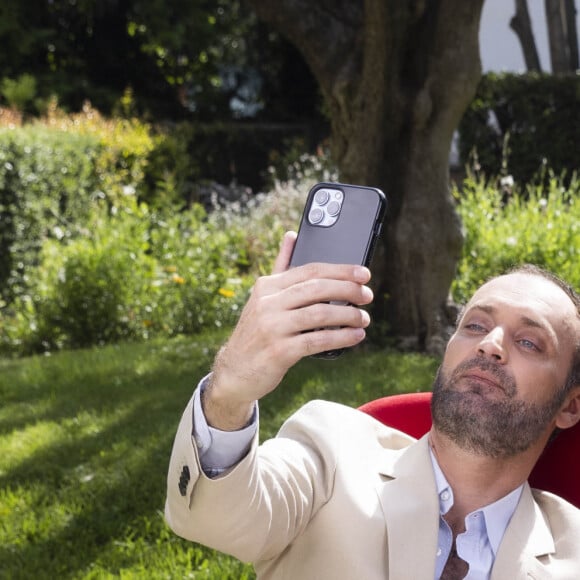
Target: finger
{"points": [[309, 343], [286, 248], [322, 290], [322, 316], [315, 270]]}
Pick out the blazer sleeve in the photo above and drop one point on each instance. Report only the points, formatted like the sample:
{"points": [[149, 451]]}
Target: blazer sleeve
{"points": [[254, 510]]}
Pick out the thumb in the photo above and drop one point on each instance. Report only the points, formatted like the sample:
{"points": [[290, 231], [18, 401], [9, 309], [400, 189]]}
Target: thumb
{"points": [[285, 253]]}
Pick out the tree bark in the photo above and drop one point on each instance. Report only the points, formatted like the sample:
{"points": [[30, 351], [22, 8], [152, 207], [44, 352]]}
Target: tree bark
{"points": [[396, 78], [557, 37], [522, 26], [572, 34]]}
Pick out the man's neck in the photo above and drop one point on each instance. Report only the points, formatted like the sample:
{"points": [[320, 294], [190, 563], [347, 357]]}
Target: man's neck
{"points": [[478, 480]]}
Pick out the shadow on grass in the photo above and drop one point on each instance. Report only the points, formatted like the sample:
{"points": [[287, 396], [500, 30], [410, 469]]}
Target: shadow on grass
{"points": [[60, 387], [106, 466]]}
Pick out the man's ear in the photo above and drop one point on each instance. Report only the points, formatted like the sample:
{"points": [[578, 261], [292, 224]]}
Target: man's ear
{"points": [[569, 413]]}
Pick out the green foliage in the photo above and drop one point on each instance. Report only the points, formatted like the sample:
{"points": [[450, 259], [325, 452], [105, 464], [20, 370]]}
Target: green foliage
{"points": [[46, 183], [264, 218], [189, 153], [505, 229], [95, 286], [83, 261], [201, 268], [19, 93], [295, 165], [210, 60], [85, 441], [537, 125], [170, 170], [123, 147], [51, 174], [133, 275]]}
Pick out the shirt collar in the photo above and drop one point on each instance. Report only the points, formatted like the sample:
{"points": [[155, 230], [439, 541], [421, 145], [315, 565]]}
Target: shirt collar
{"points": [[497, 514]]}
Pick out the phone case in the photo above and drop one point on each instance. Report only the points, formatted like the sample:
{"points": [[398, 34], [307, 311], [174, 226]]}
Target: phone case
{"points": [[351, 239], [345, 237]]}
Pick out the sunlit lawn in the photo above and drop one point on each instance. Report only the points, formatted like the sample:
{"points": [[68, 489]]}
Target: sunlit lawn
{"points": [[85, 438]]}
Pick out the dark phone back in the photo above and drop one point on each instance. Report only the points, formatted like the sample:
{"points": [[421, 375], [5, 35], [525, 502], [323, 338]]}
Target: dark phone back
{"points": [[350, 240]]}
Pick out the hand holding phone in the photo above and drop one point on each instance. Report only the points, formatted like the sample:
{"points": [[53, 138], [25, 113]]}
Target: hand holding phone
{"points": [[340, 225]]}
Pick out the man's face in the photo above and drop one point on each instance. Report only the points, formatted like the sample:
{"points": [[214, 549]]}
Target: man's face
{"points": [[503, 375]]}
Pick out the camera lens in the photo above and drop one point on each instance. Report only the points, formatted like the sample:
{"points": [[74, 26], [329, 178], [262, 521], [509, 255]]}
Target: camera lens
{"points": [[333, 208], [316, 215], [321, 196]]}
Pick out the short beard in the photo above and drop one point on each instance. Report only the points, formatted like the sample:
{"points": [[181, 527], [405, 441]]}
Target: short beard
{"points": [[492, 428]]}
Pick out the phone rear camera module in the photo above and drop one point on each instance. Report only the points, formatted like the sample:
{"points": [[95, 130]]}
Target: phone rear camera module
{"points": [[322, 196], [333, 208], [325, 207], [316, 215]]}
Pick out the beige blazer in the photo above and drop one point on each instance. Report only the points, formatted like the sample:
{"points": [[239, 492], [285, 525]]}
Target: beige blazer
{"points": [[339, 496]]}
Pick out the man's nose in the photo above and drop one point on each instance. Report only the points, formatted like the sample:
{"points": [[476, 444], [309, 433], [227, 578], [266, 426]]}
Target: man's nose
{"points": [[493, 345]]}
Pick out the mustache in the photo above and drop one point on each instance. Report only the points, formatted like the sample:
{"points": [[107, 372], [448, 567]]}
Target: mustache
{"points": [[497, 371]]}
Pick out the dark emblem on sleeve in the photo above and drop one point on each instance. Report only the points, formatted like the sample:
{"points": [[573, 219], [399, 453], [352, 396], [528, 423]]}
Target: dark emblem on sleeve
{"points": [[184, 480]]}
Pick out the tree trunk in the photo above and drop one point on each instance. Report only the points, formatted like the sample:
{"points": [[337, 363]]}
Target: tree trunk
{"points": [[557, 36], [522, 26], [396, 78], [572, 34]]}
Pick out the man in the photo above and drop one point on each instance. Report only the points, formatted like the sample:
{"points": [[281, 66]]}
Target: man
{"points": [[337, 495]]}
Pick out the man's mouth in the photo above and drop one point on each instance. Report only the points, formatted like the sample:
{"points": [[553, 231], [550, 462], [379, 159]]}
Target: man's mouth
{"points": [[483, 379]]}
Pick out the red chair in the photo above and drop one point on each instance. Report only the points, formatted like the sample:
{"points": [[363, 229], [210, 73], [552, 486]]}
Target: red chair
{"points": [[557, 470]]}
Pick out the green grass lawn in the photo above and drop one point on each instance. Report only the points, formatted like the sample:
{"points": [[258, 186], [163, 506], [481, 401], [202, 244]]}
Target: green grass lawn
{"points": [[85, 438]]}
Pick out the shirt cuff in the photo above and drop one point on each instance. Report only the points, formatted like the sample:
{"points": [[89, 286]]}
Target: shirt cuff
{"points": [[219, 450]]}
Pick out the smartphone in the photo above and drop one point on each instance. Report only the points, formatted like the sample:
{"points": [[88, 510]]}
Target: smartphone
{"points": [[340, 225]]}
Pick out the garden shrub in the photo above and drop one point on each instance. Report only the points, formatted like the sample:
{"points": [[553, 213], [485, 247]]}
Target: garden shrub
{"points": [[528, 122], [83, 261], [504, 228], [46, 182], [50, 174], [135, 274], [87, 291], [20, 93], [201, 268], [264, 218], [123, 148]]}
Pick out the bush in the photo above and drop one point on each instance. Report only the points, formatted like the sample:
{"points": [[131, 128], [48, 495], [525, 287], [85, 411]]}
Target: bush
{"points": [[46, 183], [19, 93], [201, 267], [528, 121], [87, 291], [505, 229], [133, 275], [231, 153], [51, 173], [123, 148]]}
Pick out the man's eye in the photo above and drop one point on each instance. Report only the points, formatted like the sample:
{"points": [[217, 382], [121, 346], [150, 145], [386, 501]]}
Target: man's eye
{"points": [[475, 327], [528, 344]]}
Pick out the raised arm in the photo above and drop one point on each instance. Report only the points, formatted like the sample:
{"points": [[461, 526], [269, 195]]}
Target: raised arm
{"points": [[271, 336]]}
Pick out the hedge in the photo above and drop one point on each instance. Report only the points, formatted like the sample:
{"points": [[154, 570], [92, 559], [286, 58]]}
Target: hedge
{"points": [[521, 124]]}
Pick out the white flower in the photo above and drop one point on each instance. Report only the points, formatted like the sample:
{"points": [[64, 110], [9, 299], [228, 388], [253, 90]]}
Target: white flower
{"points": [[507, 181]]}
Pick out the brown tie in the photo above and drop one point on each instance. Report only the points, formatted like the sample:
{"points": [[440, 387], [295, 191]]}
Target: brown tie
{"points": [[455, 567]]}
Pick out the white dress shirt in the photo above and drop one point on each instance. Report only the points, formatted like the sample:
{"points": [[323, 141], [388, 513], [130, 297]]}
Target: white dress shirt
{"points": [[219, 450], [484, 529]]}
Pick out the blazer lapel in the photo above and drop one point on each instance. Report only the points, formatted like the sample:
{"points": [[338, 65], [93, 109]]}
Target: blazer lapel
{"points": [[409, 501], [526, 539]]}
